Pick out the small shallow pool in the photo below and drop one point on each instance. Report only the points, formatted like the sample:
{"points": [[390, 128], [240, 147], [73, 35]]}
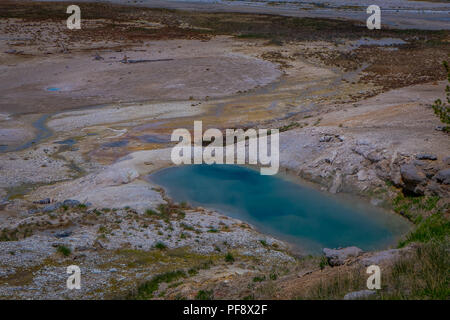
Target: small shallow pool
{"points": [[305, 217]]}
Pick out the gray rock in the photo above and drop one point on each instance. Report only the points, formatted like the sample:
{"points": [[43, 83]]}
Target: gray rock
{"points": [[71, 203], [443, 176], [337, 257], [98, 57], [419, 163], [374, 156], [410, 173], [412, 177], [362, 175], [325, 139], [426, 156], [52, 207], [446, 161], [337, 183], [43, 201], [63, 234], [357, 295], [386, 256]]}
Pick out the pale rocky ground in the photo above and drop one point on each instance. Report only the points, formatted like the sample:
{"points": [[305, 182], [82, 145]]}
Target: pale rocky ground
{"points": [[342, 143]]}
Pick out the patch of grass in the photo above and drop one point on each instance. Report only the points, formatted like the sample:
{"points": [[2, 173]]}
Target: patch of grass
{"points": [[323, 262], [151, 212], [289, 126], [192, 272], [167, 211], [336, 287], [146, 290], [264, 243], [414, 208], [435, 227], [259, 279], [229, 258], [205, 295], [442, 110], [424, 275], [160, 245], [65, 251], [186, 226]]}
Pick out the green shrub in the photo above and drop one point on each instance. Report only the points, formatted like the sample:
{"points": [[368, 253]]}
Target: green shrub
{"points": [[229, 258], [151, 212], [160, 245], [442, 110], [65, 251], [323, 262], [205, 295], [259, 279], [192, 272]]}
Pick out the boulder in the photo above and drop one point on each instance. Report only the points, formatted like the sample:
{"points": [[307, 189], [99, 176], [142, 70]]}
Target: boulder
{"points": [[357, 295], [52, 207], [411, 174], [374, 156], [443, 176], [43, 201], [63, 234], [386, 256], [337, 257], [325, 139], [71, 203], [426, 156], [446, 161], [412, 177], [362, 175]]}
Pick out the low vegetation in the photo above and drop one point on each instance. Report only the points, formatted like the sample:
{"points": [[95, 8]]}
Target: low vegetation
{"points": [[205, 295], [146, 289], [423, 275], [415, 208], [229, 258], [433, 228], [65, 251], [442, 110]]}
